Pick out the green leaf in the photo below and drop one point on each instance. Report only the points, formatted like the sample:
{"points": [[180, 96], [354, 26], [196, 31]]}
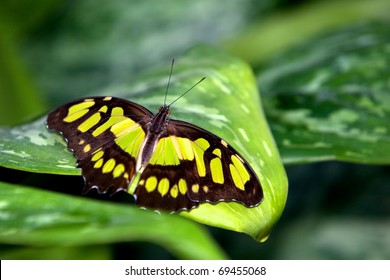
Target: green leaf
{"points": [[45, 219], [227, 103], [33, 148], [328, 99]]}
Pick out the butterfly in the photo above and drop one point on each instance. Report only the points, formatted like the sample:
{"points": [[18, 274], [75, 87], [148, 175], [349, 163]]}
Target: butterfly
{"points": [[174, 165]]}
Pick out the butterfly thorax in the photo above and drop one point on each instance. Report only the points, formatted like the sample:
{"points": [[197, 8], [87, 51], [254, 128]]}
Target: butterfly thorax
{"points": [[155, 128], [159, 121]]}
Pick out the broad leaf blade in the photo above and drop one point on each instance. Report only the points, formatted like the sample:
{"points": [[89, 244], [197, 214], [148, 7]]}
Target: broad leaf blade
{"points": [[41, 218], [227, 103], [329, 98], [32, 147]]}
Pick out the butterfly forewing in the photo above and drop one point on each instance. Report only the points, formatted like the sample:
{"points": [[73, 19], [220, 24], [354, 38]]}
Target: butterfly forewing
{"points": [[188, 166], [103, 133]]}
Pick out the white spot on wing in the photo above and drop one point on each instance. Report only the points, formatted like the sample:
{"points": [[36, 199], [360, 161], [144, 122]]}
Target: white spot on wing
{"points": [[223, 142]]}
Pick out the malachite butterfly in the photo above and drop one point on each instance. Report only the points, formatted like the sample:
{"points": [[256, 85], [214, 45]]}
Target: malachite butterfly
{"points": [[170, 164]]}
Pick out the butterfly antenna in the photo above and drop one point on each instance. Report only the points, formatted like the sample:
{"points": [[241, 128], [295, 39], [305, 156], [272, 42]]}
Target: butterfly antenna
{"points": [[201, 80], [169, 81]]}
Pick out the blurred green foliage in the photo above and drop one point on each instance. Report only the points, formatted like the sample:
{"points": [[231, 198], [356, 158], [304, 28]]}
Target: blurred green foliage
{"points": [[322, 71], [331, 94]]}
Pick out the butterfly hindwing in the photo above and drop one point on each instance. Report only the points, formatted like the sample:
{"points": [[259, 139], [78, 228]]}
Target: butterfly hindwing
{"points": [[192, 165], [160, 188], [103, 133], [111, 170]]}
